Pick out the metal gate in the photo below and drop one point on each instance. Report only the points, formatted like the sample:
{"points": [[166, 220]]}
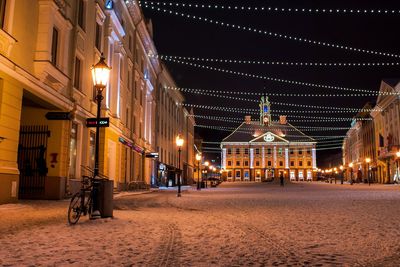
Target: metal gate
{"points": [[32, 161]]}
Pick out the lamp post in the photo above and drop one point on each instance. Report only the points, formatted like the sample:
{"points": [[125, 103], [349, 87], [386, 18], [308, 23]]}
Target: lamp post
{"points": [[198, 158], [206, 164], [351, 172], [100, 75], [368, 160], [397, 165], [342, 173], [179, 144]]}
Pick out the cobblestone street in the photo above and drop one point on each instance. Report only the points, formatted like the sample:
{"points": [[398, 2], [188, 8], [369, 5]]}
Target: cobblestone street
{"points": [[236, 224]]}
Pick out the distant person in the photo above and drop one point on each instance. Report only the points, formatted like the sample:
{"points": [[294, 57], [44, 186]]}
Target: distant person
{"points": [[281, 179]]}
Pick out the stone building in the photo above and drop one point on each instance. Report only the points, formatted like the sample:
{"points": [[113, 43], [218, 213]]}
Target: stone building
{"points": [[264, 149], [47, 48]]}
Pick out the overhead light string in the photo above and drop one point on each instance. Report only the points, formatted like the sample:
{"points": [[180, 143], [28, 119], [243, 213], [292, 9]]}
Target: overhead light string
{"points": [[147, 4]]}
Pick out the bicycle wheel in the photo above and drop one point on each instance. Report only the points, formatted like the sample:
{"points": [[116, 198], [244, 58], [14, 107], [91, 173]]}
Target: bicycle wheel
{"points": [[75, 209]]}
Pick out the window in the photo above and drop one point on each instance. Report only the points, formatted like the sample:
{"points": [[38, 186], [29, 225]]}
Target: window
{"points": [[97, 41], [237, 163], [280, 163], [230, 174], [238, 174], [130, 43], [300, 163], [140, 130], [269, 163], [280, 151], [257, 163], [81, 14], [229, 163], [2, 12], [237, 151], [246, 151], [300, 151], [257, 151], [229, 151], [309, 163], [127, 118], [291, 151], [246, 163], [54, 47], [269, 151], [291, 163], [77, 77], [141, 97], [72, 150], [308, 151]]}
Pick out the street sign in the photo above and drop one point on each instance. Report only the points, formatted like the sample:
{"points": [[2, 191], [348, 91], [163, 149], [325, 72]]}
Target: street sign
{"points": [[152, 155], [63, 116], [92, 122]]}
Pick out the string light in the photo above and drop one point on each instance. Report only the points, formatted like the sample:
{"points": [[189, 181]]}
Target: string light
{"points": [[254, 111], [331, 109], [283, 63], [304, 128], [270, 78], [250, 93], [317, 149], [268, 33], [349, 11]]}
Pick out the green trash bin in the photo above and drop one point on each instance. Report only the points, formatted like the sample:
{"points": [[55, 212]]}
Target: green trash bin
{"points": [[105, 198]]}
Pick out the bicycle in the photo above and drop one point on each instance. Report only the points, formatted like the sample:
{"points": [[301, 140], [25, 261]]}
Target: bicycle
{"points": [[81, 202]]}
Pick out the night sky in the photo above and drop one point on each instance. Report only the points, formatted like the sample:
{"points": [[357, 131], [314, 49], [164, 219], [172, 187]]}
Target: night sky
{"points": [[181, 36]]}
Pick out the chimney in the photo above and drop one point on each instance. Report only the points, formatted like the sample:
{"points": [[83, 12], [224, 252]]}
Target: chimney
{"points": [[247, 119], [282, 120]]}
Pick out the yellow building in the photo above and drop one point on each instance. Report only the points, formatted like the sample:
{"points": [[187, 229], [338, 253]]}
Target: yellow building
{"points": [[262, 150], [47, 48]]}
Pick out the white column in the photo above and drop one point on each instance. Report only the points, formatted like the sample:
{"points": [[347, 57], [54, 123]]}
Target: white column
{"points": [[314, 158], [251, 158], [275, 157], [263, 158], [287, 158], [223, 157]]}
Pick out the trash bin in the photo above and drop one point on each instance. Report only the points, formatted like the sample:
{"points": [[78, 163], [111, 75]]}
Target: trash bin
{"points": [[105, 197]]}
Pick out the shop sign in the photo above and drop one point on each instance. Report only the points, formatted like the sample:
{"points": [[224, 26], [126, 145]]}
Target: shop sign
{"points": [[60, 116], [92, 122], [138, 149], [152, 155], [125, 142]]}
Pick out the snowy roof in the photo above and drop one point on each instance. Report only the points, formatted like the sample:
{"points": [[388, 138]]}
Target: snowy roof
{"points": [[254, 132]]}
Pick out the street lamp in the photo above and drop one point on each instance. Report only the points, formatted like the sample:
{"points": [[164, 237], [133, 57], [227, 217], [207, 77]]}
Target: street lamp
{"points": [[368, 160], [206, 173], [342, 174], [179, 144], [397, 165], [198, 158], [351, 172], [100, 75]]}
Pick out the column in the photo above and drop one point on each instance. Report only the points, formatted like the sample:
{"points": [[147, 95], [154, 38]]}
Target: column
{"points": [[314, 158], [263, 157], [287, 158], [251, 158], [275, 157], [223, 158]]}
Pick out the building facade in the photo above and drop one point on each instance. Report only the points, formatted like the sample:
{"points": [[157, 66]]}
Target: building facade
{"points": [[172, 120], [386, 119], [263, 150], [358, 146], [47, 48]]}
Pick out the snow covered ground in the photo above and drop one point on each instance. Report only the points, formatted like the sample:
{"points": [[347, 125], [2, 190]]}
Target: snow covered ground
{"points": [[236, 224]]}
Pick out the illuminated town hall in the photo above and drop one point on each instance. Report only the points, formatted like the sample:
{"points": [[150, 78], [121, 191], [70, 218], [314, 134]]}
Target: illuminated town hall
{"points": [[262, 150]]}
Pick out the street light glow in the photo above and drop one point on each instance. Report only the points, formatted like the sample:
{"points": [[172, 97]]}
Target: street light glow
{"points": [[198, 156], [100, 73], [367, 160], [179, 141]]}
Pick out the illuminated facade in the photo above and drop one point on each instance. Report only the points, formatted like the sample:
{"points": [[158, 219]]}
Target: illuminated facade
{"points": [[262, 150], [46, 95]]}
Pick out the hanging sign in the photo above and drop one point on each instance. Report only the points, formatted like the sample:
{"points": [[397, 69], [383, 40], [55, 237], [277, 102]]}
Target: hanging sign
{"points": [[92, 122]]}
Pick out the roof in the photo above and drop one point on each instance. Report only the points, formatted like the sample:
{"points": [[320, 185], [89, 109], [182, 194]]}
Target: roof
{"points": [[254, 131]]}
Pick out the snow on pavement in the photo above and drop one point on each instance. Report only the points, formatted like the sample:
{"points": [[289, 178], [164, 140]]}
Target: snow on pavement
{"points": [[236, 224]]}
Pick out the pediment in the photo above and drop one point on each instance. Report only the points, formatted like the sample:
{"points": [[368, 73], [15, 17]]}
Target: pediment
{"points": [[269, 137]]}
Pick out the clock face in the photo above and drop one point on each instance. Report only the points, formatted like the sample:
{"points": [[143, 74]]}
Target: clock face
{"points": [[265, 109]]}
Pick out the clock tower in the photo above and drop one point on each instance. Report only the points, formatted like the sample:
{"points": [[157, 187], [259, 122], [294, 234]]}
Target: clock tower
{"points": [[265, 111]]}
